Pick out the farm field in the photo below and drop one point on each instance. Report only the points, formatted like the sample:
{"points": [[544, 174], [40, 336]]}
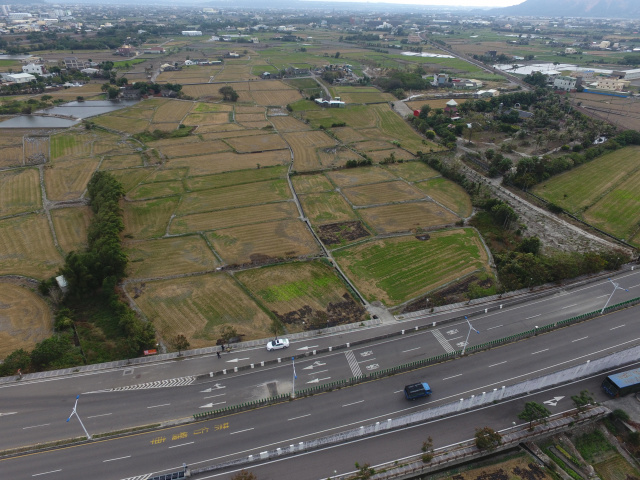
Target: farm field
{"points": [[148, 219], [311, 183], [71, 226], [264, 242], [198, 307], [235, 178], [146, 191], [68, 179], [121, 161], [26, 319], [327, 207], [194, 149], [350, 177], [384, 192], [398, 269], [449, 194], [303, 295], [257, 143], [230, 161], [288, 124], [412, 171], [19, 191], [406, 217], [65, 144]]}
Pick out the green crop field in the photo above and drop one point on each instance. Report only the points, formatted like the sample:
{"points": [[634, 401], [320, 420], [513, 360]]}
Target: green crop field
{"points": [[395, 270], [449, 194]]}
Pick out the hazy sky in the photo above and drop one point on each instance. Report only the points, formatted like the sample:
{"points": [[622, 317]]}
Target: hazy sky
{"points": [[453, 3]]}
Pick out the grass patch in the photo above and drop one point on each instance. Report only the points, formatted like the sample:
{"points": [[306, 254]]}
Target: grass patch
{"points": [[593, 445]]}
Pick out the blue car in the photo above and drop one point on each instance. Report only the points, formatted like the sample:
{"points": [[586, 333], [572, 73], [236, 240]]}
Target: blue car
{"points": [[417, 390]]}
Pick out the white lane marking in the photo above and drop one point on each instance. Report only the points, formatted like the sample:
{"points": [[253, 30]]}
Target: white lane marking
{"points": [[301, 416], [399, 391], [114, 459], [44, 473], [452, 377], [410, 350], [36, 426], [496, 364], [214, 396], [354, 403], [497, 326], [319, 371], [578, 339], [605, 295], [617, 327], [455, 338], [569, 306], [540, 351], [534, 316], [101, 415], [156, 406], [240, 431], [367, 360], [635, 286], [182, 444], [8, 413]]}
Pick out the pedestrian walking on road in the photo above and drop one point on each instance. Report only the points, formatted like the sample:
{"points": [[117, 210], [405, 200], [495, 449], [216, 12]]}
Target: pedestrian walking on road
{"points": [[218, 353], [223, 347]]}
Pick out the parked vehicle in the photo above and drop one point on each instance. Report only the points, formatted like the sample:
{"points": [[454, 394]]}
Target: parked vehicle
{"points": [[278, 344], [417, 390], [622, 383]]}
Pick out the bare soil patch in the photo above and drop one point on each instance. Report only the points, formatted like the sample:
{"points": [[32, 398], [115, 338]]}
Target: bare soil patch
{"points": [[342, 232]]}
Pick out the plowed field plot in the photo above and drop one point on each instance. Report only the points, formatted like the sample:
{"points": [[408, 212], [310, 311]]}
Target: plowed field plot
{"points": [[257, 143], [11, 155], [406, 217], [264, 242], [148, 191], [395, 270], [68, 179], [449, 194], [235, 196], [288, 124], [275, 98], [342, 233], [27, 248], [36, 150], [206, 118], [19, 191], [68, 144], [169, 256], [148, 219], [198, 307], [231, 161], [351, 177], [311, 183], [250, 117], [336, 156], [71, 226], [246, 109], [304, 148], [235, 178], [231, 217], [379, 155], [348, 135], [303, 295], [412, 171], [209, 91], [328, 207], [378, 193], [121, 161], [26, 319], [172, 111], [194, 149]]}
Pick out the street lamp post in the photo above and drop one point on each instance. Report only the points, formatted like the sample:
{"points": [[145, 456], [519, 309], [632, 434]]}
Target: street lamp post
{"points": [[75, 412], [468, 333], [293, 387], [616, 286]]}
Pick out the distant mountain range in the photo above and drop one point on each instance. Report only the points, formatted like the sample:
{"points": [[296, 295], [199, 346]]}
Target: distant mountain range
{"points": [[574, 8]]}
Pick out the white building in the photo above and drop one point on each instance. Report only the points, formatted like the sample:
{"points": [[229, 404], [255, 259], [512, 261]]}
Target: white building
{"points": [[20, 77], [492, 92], [566, 83], [192, 33], [34, 68]]}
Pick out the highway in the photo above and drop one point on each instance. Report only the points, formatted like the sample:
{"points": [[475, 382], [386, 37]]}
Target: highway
{"points": [[34, 411], [254, 431]]}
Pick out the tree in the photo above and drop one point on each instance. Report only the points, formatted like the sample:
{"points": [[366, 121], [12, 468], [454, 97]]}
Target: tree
{"points": [[229, 94], [533, 412], [227, 332], [487, 438], [16, 360], [337, 55], [582, 401], [244, 475], [112, 93], [276, 327], [180, 342]]}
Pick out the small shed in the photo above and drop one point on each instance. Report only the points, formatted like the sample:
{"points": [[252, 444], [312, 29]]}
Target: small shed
{"points": [[62, 283]]}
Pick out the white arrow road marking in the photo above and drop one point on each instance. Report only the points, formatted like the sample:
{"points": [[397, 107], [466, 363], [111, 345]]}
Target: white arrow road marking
{"points": [[209, 405], [316, 380], [307, 347], [314, 364], [236, 360], [217, 386], [553, 402], [316, 373], [9, 413], [214, 396]]}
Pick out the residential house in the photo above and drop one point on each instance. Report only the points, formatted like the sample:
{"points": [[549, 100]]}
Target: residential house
{"points": [[20, 77], [613, 84], [451, 108], [34, 68], [568, 84]]}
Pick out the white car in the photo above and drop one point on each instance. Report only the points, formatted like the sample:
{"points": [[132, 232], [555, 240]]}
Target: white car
{"points": [[278, 344]]}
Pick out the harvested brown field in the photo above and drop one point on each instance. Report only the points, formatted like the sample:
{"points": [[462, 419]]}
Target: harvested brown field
{"points": [[121, 161], [257, 143], [433, 103], [164, 175], [169, 256], [264, 242], [148, 219], [131, 177], [194, 119], [304, 148], [222, 129], [348, 135], [68, 179], [372, 145], [449, 194], [311, 183], [378, 193], [412, 171], [232, 217], [230, 161], [235, 196], [235, 178], [164, 127], [275, 98], [113, 145], [350, 177], [249, 117], [269, 85], [26, 319], [122, 124], [303, 295], [19, 191], [169, 142], [146, 191], [36, 149], [262, 125], [233, 133], [288, 124], [336, 156], [11, 156], [27, 248], [398, 153], [71, 226], [210, 91], [172, 111], [406, 217], [328, 207], [235, 73], [198, 307], [194, 149], [342, 233], [71, 144]]}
